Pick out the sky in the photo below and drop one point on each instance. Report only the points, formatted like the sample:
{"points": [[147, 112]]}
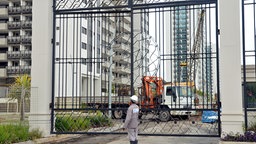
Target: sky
{"points": [[249, 33]]}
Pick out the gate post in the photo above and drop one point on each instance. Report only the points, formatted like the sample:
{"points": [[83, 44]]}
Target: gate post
{"points": [[230, 66], [41, 72]]}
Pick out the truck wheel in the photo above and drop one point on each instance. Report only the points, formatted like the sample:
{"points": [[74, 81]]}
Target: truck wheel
{"points": [[118, 114], [164, 116]]}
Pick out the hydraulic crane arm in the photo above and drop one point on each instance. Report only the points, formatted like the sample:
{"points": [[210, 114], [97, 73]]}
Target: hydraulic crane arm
{"points": [[194, 55]]}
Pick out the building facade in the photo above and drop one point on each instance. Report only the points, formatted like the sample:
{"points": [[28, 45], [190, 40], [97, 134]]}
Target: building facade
{"points": [[15, 39]]}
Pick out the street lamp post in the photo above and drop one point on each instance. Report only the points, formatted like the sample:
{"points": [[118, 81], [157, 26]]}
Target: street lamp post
{"points": [[110, 81]]}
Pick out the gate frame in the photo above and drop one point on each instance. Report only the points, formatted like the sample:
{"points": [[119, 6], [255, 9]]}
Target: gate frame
{"points": [[133, 7], [244, 70]]}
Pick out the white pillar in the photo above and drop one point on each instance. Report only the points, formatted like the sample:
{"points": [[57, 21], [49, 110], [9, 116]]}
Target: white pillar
{"points": [[41, 71], [230, 66]]}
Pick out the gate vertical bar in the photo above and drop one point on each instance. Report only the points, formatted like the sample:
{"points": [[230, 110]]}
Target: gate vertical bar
{"points": [[218, 69], [53, 64], [244, 70], [130, 5]]}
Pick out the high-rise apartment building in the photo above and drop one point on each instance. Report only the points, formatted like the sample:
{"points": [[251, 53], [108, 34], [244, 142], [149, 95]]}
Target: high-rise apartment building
{"points": [[181, 40], [177, 41], [15, 39]]}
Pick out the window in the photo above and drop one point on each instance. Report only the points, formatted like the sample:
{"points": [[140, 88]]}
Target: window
{"points": [[15, 48], [169, 91], [15, 63], [84, 61], [98, 23], [84, 30], [16, 4], [83, 45]]}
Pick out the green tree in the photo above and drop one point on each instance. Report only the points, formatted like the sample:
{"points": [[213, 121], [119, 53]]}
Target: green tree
{"points": [[20, 90]]}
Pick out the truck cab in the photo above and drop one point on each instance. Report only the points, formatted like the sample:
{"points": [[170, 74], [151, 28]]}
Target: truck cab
{"points": [[179, 97]]}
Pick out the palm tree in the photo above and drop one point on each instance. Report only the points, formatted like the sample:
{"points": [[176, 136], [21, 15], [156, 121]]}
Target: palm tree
{"points": [[20, 90]]}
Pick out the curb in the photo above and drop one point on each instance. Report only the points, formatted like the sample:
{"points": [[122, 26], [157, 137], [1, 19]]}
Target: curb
{"points": [[51, 139]]}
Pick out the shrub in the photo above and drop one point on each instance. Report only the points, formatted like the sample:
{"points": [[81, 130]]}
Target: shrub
{"points": [[100, 120], [81, 123], [71, 124], [35, 134], [248, 136], [11, 133], [252, 127]]}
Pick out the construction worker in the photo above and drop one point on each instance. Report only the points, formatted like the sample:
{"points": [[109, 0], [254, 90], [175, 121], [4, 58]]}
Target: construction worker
{"points": [[132, 120]]}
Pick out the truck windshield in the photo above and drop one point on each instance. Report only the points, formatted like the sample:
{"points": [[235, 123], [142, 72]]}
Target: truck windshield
{"points": [[180, 91]]}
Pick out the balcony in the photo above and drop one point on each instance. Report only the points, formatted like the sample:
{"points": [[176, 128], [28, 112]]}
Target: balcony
{"points": [[14, 25], [3, 57], [106, 64], [18, 69], [26, 9], [25, 54], [19, 54], [106, 53], [14, 10], [26, 24], [108, 27], [13, 54], [4, 2], [3, 27], [104, 77], [121, 47], [3, 13], [3, 72], [122, 80], [26, 39], [122, 69], [127, 27], [3, 42], [13, 40], [122, 59], [126, 37]]}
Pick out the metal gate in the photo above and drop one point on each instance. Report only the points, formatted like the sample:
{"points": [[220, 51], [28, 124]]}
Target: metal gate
{"points": [[248, 66], [166, 52]]}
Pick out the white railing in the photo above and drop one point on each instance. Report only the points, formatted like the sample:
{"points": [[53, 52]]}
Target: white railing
{"points": [[3, 41], [3, 72], [8, 106], [3, 26], [3, 12]]}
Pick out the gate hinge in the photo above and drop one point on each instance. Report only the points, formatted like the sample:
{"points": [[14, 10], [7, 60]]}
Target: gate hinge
{"points": [[52, 40], [50, 105], [218, 31]]}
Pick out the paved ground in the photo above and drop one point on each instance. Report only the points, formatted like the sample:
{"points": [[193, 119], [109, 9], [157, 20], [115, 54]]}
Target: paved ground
{"points": [[122, 139]]}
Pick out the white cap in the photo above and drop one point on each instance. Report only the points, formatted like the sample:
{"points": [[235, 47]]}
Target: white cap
{"points": [[134, 98]]}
